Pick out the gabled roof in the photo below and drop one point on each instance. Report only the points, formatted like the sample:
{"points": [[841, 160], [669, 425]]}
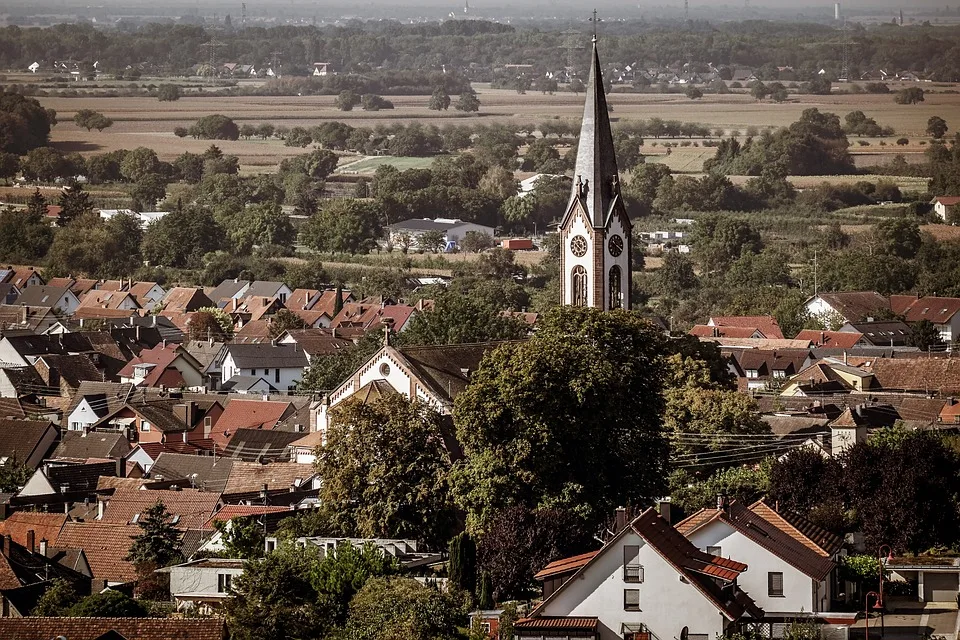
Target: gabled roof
{"points": [[263, 289], [445, 369], [267, 356], [948, 201], [767, 325], [185, 299], [206, 473], [565, 565], [99, 628], [19, 439], [101, 299], [76, 445], [700, 569], [228, 289], [706, 331], [831, 339], [248, 414], [230, 511], [318, 342], [46, 526], [105, 544], [936, 310], [856, 306], [104, 397], [71, 369], [77, 477], [41, 296], [816, 538], [159, 360], [253, 445], [251, 476], [190, 508], [922, 375]]}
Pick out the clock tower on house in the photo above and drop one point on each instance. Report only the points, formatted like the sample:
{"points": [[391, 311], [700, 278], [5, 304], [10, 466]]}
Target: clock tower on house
{"points": [[595, 231]]}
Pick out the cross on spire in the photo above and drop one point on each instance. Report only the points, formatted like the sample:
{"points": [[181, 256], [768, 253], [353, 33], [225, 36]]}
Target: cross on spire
{"points": [[594, 20]]}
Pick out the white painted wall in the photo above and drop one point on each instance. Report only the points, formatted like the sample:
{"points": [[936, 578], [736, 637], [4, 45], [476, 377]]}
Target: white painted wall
{"points": [[578, 227], [801, 593], [9, 356], [198, 580], [667, 604], [82, 416], [288, 376]]}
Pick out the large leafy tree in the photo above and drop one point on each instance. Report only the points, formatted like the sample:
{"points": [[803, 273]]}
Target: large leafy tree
{"points": [[95, 247], [74, 202], [327, 373], [25, 236], [388, 608], [261, 224], [458, 319], [158, 542], [807, 483], [385, 466], [572, 418], [24, 124], [182, 238], [107, 604], [350, 226]]}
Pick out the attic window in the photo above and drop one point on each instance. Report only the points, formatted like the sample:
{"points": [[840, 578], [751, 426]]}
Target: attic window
{"points": [[136, 518], [385, 370], [175, 519]]}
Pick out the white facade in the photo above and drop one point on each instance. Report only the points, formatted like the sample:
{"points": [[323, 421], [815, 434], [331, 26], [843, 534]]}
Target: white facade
{"points": [[453, 231], [281, 379], [144, 217], [82, 416], [668, 603], [154, 295], [203, 583], [801, 593], [600, 247]]}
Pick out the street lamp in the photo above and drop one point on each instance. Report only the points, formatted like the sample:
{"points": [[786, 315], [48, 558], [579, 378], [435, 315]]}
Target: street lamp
{"points": [[866, 612], [883, 562]]}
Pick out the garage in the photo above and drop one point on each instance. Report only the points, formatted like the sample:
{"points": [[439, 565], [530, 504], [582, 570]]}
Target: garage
{"points": [[940, 587]]}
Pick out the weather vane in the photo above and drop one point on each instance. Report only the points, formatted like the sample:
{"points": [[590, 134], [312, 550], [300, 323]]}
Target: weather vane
{"points": [[594, 20]]}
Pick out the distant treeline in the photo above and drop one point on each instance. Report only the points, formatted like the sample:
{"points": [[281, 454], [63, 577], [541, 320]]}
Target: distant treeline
{"points": [[477, 47]]}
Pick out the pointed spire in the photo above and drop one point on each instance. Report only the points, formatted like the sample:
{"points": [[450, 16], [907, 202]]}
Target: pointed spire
{"points": [[596, 166]]}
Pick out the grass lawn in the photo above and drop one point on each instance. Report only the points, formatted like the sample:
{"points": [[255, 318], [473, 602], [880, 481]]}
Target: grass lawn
{"points": [[369, 164]]}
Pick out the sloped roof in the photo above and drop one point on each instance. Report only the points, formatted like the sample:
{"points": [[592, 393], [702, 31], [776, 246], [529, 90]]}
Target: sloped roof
{"points": [[564, 565], [936, 310], [267, 355], [105, 544], [78, 477], [227, 289], [831, 339], [104, 397], [98, 628], [185, 299], [263, 289], [75, 445], [705, 331], [41, 296], [208, 473], [248, 414], [46, 526], [251, 476], [73, 369], [927, 375], [816, 538], [445, 369], [767, 325], [856, 306], [253, 444], [318, 342], [796, 425], [19, 439], [100, 299], [230, 511], [193, 507]]}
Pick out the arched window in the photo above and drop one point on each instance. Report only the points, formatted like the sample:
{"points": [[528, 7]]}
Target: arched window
{"points": [[616, 292], [578, 284]]}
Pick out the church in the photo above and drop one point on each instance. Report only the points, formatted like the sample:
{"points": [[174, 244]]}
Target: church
{"points": [[595, 234]]}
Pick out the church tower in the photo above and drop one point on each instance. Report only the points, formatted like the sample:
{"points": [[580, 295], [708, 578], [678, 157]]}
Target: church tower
{"points": [[595, 231]]}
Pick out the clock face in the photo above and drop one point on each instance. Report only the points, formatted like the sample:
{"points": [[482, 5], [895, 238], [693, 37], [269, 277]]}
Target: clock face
{"points": [[615, 246], [578, 246]]}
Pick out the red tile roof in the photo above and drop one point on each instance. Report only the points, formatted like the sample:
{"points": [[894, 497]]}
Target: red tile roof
{"points": [[767, 325], [161, 357], [831, 339], [46, 526], [102, 299], [105, 545], [857, 306], [704, 331], [193, 507], [696, 521], [948, 201], [558, 623], [251, 476], [130, 628], [819, 540], [936, 310], [927, 375], [247, 414], [565, 565]]}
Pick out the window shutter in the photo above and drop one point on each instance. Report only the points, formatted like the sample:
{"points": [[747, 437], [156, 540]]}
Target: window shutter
{"points": [[631, 599]]}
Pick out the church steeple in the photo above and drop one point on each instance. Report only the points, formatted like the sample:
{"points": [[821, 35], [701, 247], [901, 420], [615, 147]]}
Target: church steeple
{"points": [[595, 232], [595, 174]]}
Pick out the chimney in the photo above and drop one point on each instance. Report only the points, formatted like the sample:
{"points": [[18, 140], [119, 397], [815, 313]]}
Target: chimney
{"points": [[43, 547], [122, 467], [823, 338], [620, 522], [665, 510], [31, 540], [6, 545]]}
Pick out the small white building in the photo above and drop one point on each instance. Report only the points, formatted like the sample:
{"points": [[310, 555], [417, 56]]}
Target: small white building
{"points": [[203, 585], [144, 217], [408, 233], [280, 365], [942, 205], [648, 581]]}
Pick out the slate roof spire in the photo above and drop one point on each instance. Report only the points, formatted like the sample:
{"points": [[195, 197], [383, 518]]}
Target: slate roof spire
{"points": [[595, 176]]}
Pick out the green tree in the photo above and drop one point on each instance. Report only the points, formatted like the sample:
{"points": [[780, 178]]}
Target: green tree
{"points": [[390, 608], [384, 466], [211, 323], [96, 248], [468, 102], [937, 127], [912, 95], [57, 600], [89, 119], [107, 604], [440, 100], [217, 127], [432, 240], [168, 93], [350, 226], [242, 537], [45, 164], [260, 225], [25, 236], [13, 476], [138, 163], [158, 542], [347, 100], [9, 165], [285, 320], [745, 484], [898, 236], [182, 238], [485, 598], [74, 202], [719, 240], [373, 102], [24, 124], [925, 336], [806, 483], [477, 241], [713, 415], [462, 562], [565, 416], [693, 93], [460, 319], [149, 189], [326, 373], [676, 276]]}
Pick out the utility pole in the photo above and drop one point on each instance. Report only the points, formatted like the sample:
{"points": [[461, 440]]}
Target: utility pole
{"points": [[686, 9], [276, 62], [243, 15], [211, 48]]}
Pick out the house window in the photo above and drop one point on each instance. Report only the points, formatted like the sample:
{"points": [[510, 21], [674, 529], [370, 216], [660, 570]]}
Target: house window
{"points": [[779, 373], [753, 373], [714, 551], [207, 422], [485, 627], [632, 571], [271, 545], [578, 280], [631, 599], [223, 582], [266, 372], [276, 375], [253, 372], [144, 426], [385, 370], [775, 584]]}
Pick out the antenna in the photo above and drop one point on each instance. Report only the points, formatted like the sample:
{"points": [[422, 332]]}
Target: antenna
{"points": [[595, 20], [243, 14], [276, 62], [573, 44], [846, 52]]}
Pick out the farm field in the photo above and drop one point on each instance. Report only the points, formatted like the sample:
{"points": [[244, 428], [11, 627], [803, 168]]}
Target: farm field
{"points": [[367, 166], [143, 121]]}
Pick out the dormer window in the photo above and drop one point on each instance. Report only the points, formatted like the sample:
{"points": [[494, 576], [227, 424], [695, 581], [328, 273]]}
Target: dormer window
{"points": [[753, 373]]}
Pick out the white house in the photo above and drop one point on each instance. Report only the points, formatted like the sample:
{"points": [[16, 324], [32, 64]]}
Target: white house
{"points": [[785, 576], [647, 579], [281, 365], [61, 300], [942, 205], [144, 217], [34, 67], [321, 69], [943, 313], [203, 585], [847, 306], [409, 232]]}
